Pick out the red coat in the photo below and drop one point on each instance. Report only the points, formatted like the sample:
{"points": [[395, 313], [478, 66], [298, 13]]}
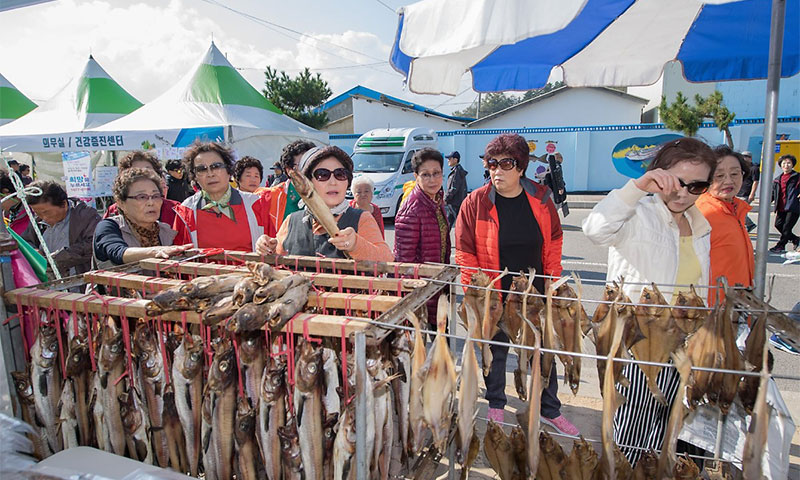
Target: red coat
{"points": [[417, 238], [477, 230]]}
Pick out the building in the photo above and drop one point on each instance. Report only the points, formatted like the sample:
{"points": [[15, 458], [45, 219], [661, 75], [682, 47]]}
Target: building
{"points": [[567, 106], [362, 109]]}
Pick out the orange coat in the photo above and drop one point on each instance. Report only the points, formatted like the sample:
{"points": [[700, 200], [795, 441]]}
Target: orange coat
{"points": [[731, 247]]}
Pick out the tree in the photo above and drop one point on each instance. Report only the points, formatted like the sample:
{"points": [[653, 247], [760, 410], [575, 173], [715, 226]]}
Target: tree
{"points": [[685, 118], [298, 97], [494, 102], [541, 91]]}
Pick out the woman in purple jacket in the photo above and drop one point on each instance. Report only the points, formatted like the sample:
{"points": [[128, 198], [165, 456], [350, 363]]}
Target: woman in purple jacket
{"points": [[421, 231]]}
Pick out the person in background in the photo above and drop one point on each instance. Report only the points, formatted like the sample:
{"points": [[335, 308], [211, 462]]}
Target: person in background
{"points": [[363, 189], [456, 187], [178, 187], [786, 193], [15, 215], [330, 170], [731, 247], [248, 173], [660, 238], [555, 178], [219, 215], [25, 174], [487, 179], [421, 228], [135, 233], [284, 199], [511, 223], [14, 165], [750, 185], [278, 174], [68, 227], [140, 159]]}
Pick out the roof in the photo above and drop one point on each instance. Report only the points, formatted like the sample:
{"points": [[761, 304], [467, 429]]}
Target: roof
{"points": [[555, 92], [360, 91]]}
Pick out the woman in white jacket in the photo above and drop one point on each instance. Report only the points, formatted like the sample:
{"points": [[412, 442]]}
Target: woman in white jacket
{"points": [[664, 239]]}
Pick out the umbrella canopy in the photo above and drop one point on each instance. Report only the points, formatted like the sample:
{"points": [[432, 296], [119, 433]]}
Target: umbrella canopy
{"points": [[212, 102], [89, 100], [13, 104], [606, 43]]}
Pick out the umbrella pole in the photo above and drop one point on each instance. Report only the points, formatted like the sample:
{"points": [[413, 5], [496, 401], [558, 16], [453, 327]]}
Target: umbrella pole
{"points": [[768, 148]]}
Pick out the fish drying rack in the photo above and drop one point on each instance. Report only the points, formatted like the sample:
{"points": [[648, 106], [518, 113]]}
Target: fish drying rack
{"points": [[367, 302]]}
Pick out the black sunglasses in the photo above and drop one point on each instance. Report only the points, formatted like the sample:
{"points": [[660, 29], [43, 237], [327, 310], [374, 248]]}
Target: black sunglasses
{"points": [[213, 166], [695, 188], [323, 174], [505, 164]]}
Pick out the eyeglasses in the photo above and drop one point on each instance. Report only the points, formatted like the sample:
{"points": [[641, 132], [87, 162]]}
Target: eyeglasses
{"points": [[505, 163], [212, 167], [323, 174], [695, 188], [143, 197], [430, 176]]}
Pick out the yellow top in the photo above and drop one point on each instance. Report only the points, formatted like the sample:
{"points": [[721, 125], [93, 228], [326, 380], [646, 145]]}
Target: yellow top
{"points": [[689, 270]]}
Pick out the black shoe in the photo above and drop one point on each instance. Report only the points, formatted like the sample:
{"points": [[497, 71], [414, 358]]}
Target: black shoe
{"points": [[777, 249]]}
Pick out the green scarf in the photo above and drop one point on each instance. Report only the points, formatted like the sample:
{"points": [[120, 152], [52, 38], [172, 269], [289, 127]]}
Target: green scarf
{"points": [[222, 204]]}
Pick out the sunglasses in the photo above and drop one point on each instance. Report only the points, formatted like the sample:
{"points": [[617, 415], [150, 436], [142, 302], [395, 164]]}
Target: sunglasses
{"points": [[212, 167], [323, 174], [505, 164], [143, 197], [695, 188]]}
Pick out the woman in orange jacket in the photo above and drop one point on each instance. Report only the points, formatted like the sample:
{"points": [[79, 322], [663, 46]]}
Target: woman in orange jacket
{"points": [[731, 247]]}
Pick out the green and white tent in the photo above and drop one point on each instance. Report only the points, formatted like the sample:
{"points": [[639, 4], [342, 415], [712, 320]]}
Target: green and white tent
{"points": [[212, 102], [13, 104], [89, 100]]}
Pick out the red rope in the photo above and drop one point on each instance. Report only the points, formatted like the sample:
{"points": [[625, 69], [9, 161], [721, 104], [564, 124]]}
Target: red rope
{"points": [[57, 311], [90, 323], [290, 363], [396, 270], [318, 341], [399, 287], [375, 269], [344, 359], [22, 327], [316, 263], [340, 283], [126, 338], [371, 290], [162, 339], [184, 313], [416, 270], [238, 367], [369, 305]]}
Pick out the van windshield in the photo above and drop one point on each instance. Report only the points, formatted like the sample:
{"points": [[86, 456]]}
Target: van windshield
{"points": [[377, 162]]}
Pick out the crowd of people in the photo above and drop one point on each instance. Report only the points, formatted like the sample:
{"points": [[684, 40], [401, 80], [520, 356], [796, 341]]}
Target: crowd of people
{"points": [[680, 223]]}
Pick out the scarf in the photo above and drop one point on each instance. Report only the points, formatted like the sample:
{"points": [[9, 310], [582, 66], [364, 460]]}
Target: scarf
{"points": [[444, 228], [147, 236], [222, 204]]}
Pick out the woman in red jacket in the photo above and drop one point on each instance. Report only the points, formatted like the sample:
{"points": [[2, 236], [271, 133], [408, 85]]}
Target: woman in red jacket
{"points": [[511, 223], [421, 230]]}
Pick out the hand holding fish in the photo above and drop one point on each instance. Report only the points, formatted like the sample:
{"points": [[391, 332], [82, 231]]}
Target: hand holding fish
{"points": [[171, 251], [266, 245], [345, 240], [658, 181]]}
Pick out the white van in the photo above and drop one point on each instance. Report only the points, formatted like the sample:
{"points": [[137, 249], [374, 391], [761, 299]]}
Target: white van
{"points": [[384, 155]]}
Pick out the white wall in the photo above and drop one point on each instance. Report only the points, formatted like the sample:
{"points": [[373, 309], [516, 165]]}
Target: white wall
{"points": [[572, 107], [371, 114]]}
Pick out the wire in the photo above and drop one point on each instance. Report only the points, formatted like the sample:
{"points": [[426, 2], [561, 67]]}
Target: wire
{"points": [[341, 67], [387, 6]]}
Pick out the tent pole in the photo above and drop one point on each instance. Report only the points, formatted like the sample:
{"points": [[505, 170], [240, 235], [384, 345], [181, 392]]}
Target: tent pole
{"points": [[768, 147]]}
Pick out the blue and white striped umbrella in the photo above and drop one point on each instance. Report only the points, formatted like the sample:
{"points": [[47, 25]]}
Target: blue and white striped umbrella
{"points": [[515, 45]]}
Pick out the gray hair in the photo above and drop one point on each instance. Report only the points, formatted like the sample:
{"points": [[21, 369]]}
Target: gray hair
{"points": [[362, 179]]}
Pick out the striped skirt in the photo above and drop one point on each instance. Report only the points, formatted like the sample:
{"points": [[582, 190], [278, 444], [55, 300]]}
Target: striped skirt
{"points": [[641, 422]]}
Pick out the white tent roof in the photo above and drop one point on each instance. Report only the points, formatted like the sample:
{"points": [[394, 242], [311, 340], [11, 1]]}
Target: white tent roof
{"points": [[213, 102], [89, 100]]}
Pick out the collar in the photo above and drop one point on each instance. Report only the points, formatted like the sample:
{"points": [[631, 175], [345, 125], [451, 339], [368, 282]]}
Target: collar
{"points": [[528, 186]]}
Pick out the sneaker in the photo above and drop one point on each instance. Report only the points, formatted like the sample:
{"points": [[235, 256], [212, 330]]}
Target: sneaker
{"points": [[777, 249], [778, 343], [561, 425], [497, 415]]}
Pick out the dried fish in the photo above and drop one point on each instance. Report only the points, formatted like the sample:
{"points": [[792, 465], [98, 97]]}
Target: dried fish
{"points": [[646, 467], [553, 464], [243, 291], [180, 297], [519, 450], [582, 461], [286, 307], [473, 450], [568, 318], [78, 368], [272, 416], [603, 334], [677, 414], [756, 439], [534, 405], [401, 355], [221, 391], [67, 418], [308, 404], [344, 447], [277, 288], [262, 273], [252, 360], [686, 469], [244, 433], [187, 379], [290, 452], [24, 389], [468, 388], [330, 399], [176, 443], [689, 319], [134, 421], [497, 447], [313, 201], [416, 417], [46, 382], [249, 317], [153, 381], [111, 368], [220, 308], [611, 397]]}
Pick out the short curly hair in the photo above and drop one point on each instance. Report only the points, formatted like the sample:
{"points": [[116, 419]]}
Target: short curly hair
{"points": [[298, 147], [244, 163], [124, 181], [424, 155], [512, 144], [52, 193], [327, 152], [140, 156], [199, 147], [789, 157], [173, 164]]}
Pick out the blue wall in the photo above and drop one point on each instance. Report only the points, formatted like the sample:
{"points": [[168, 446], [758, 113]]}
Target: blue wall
{"points": [[594, 156]]}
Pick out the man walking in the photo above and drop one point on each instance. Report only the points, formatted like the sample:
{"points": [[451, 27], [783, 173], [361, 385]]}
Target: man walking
{"points": [[750, 186], [456, 187]]}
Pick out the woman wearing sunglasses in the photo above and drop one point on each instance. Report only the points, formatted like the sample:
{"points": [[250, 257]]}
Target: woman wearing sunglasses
{"points": [[135, 233], [731, 247], [330, 170], [661, 238], [511, 223], [219, 215]]}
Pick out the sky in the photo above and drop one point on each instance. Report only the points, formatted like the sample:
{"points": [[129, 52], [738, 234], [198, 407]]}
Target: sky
{"points": [[147, 46]]}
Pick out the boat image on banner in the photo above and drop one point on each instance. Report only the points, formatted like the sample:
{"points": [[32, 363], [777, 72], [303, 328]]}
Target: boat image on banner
{"points": [[632, 156]]}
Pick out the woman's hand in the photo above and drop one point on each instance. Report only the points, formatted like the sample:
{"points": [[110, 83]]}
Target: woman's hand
{"points": [[166, 252], [266, 245], [658, 181], [345, 240]]}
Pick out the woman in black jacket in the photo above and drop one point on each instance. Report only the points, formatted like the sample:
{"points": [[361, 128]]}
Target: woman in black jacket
{"points": [[786, 193]]}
